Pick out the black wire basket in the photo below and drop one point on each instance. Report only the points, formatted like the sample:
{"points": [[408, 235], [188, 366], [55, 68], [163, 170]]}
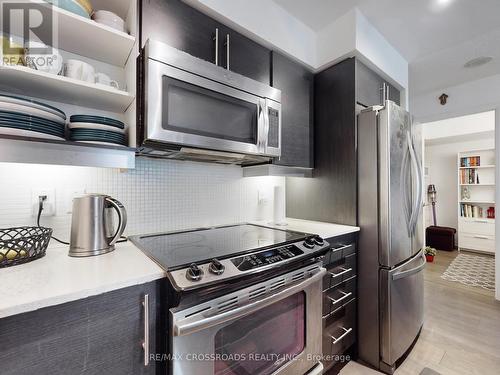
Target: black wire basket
{"points": [[23, 244]]}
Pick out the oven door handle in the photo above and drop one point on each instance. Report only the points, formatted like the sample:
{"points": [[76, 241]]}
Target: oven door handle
{"points": [[186, 328]]}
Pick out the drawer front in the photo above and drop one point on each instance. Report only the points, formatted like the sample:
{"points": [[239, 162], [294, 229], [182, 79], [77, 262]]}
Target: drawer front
{"points": [[337, 253], [338, 295], [477, 242], [477, 226], [342, 270], [339, 333]]}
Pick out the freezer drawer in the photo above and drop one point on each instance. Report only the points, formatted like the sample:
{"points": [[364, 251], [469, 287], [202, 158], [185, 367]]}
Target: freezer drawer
{"points": [[401, 307]]}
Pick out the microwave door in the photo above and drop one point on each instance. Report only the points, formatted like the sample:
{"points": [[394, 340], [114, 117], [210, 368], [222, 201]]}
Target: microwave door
{"points": [[188, 110]]}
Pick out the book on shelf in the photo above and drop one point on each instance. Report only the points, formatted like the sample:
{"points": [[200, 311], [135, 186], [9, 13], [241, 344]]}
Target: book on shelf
{"points": [[470, 161], [469, 176], [467, 210]]}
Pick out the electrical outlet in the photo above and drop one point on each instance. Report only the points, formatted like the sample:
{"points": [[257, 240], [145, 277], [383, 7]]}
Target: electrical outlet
{"points": [[49, 204], [262, 197]]}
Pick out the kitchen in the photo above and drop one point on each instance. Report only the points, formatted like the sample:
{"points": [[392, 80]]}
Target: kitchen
{"points": [[209, 191]]}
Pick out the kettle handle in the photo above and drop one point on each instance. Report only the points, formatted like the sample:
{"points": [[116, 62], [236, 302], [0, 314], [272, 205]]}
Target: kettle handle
{"points": [[122, 218]]}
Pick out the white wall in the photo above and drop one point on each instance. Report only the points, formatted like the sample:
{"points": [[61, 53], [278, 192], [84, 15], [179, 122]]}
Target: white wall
{"points": [[470, 97], [497, 199], [459, 126], [441, 159], [159, 195]]}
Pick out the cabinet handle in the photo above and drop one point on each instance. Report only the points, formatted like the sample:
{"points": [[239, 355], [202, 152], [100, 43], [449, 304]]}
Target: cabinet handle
{"points": [[480, 221], [383, 93], [344, 270], [346, 332], [387, 92], [344, 296], [145, 343], [227, 51], [216, 40]]}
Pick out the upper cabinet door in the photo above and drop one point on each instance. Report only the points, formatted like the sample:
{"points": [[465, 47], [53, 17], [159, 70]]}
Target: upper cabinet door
{"points": [[185, 28], [180, 26], [296, 85], [244, 56], [370, 87]]}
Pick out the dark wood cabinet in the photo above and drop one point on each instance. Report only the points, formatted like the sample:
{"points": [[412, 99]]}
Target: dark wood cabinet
{"points": [[340, 93], [96, 335], [246, 57], [331, 195], [296, 85], [187, 29], [370, 87]]}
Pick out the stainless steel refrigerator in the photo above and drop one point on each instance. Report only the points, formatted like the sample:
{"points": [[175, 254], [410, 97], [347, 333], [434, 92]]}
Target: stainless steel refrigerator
{"points": [[391, 259]]}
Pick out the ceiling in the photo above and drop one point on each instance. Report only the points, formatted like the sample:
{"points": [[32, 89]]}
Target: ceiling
{"points": [[435, 36]]}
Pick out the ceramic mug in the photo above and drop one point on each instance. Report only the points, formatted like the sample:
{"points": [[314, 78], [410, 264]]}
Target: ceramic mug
{"points": [[79, 70], [104, 79]]}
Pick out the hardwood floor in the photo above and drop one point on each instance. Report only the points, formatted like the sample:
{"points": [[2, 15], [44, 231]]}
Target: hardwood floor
{"points": [[461, 333]]}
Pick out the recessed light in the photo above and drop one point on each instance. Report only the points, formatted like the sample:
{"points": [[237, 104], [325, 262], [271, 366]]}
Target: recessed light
{"points": [[444, 2], [478, 61]]}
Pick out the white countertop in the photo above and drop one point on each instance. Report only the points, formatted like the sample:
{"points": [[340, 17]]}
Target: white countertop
{"points": [[57, 278], [322, 229]]}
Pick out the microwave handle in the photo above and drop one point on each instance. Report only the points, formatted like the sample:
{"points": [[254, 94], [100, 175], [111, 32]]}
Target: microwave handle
{"points": [[183, 329], [261, 128]]}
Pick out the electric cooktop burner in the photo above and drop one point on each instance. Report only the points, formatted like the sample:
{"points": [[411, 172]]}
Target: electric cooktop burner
{"points": [[173, 250]]}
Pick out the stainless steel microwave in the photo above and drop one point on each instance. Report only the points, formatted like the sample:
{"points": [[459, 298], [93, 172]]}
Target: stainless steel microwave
{"points": [[192, 109]]}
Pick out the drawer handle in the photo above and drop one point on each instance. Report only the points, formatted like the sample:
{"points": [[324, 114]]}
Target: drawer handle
{"points": [[343, 247], [482, 237], [480, 221], [345, 295], [335, 340], [145, 343], [344, 271]]}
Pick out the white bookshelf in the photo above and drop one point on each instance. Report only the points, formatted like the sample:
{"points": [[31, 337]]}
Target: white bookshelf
{"points": [[476, 194]]}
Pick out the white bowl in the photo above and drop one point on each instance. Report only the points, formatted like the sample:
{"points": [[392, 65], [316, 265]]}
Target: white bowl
{"points": [[114, 25], [106, 15]]}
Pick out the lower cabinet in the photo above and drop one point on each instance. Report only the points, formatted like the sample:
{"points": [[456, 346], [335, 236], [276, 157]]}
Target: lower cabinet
{"points": [[339, 302], [98, 335]]}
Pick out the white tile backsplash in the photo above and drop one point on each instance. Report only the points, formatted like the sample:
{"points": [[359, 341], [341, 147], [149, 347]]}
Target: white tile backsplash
{"points": [[159, 195]]}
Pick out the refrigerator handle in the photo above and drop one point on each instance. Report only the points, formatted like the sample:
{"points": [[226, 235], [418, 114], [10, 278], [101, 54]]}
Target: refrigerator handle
{"points": [[404, 188], [415, 212]]}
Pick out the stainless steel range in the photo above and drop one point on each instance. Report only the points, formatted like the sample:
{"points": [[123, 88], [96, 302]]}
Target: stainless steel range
{"points": [[244, 299]]}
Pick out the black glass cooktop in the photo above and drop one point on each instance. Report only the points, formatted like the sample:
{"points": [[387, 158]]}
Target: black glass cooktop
{"points": [[173, 250]]}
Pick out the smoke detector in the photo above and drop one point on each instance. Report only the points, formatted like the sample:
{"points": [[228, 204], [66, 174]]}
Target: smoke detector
{"points": [[478, 61]]}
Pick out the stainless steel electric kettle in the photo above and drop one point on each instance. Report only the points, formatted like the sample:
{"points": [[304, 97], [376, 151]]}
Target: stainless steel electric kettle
{"points": [[92, 228]]}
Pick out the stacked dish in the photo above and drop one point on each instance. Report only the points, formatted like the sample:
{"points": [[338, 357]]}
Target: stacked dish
{"points": [[97, 129], [30, 118], [74, 6]]}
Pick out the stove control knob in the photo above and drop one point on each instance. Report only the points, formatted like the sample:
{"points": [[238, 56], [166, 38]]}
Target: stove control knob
{"points": [[194, 273], [319, 241], [309, 243], [216, 267]]}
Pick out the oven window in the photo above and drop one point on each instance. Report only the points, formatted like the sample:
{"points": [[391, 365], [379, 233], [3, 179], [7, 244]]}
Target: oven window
{"points": [[262, 342], [195, 110]]}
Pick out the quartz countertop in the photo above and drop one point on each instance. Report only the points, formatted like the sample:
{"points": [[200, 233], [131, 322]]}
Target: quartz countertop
{"points": [[324, 230], [57, 278]]}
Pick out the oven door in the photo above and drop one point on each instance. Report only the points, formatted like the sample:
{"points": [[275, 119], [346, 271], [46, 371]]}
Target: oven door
{"points": [[186, 109], [270, 328]]}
